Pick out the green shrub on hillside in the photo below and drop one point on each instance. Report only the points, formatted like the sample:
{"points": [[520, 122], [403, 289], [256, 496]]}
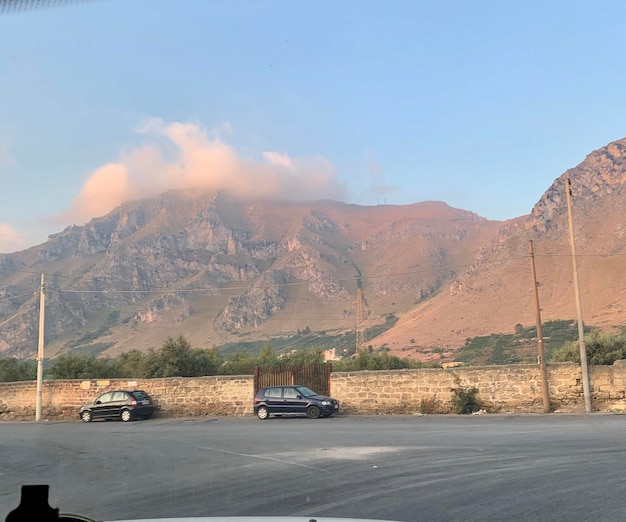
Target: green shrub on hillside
{"points": [[601, 349]]}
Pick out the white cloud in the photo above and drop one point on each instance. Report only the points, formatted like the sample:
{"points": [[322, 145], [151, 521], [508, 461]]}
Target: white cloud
{"points": [[184, 155], [275, 158], [10, 240]]}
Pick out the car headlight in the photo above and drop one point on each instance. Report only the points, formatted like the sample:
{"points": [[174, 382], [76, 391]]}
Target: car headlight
{"points": [[325, 403]]}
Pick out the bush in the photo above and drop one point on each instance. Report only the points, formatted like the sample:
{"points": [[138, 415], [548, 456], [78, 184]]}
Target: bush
{"points": [[601, 349], [12, 369], [428, 405], [374, 361], [464, 400], [83, 367], [176, 358]]}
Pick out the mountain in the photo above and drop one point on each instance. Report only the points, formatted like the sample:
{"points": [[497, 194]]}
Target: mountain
{"points": [[220, 270], [495, 293]]}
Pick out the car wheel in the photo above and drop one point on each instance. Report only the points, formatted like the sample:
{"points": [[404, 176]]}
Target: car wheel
{"points": [[262, 413], [126, 415], [312, 412], [86, 416]]}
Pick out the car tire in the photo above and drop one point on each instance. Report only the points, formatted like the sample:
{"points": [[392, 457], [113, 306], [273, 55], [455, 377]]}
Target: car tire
{"points": [[85, 416], [126, 415], [263, 413], [313, 412]]}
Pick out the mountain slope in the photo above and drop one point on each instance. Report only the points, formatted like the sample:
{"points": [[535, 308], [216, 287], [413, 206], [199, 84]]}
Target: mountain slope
{"points": [[495, 293], [220, 270]]}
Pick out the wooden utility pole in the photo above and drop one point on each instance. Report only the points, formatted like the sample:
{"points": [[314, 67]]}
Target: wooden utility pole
{"points": [[579, 307], [542, 353], [42, 312]]}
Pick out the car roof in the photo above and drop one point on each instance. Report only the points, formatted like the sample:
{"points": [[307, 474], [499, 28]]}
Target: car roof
{"points": [[122, 390]]}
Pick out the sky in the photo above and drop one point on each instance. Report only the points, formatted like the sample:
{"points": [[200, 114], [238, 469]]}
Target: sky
{"points": [[478, 104]]}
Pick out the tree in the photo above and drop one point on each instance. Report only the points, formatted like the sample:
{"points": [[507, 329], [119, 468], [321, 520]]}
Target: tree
{"points": [[374, 361], [12, 369], [267, 356], [304, 357], [132, 364], [240, 363], [176, 358], [83, 367], [601, 349]]}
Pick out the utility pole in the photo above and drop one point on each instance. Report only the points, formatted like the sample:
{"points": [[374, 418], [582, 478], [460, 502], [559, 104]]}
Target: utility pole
{"points": [[360, 334], [42, 311], [542, 353], [579, 308]]}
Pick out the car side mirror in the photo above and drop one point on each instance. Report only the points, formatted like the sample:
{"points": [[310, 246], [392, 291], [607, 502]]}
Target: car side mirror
{"points": [[299, 397], [98, 402]]}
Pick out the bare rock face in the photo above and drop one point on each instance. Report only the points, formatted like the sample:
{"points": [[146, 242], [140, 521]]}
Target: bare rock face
{"points": [[209, 266], [601, 173], [162, 263]]}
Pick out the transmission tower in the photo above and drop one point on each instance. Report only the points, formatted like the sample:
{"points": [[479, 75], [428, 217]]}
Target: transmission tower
{"points": [[360, 333]]}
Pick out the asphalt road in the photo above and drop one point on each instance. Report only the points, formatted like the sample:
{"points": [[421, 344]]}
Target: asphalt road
{"points": [[432, 468]]}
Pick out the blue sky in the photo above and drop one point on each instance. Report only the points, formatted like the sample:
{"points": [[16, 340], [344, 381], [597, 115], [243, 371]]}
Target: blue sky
{"points": [[479, 104]]}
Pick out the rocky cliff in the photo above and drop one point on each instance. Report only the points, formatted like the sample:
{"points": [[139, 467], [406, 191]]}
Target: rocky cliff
{"points": [[218, 270], [222, 270]]}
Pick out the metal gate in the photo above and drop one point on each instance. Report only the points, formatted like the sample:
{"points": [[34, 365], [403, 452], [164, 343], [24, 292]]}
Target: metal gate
{"points": [[314, 376]]}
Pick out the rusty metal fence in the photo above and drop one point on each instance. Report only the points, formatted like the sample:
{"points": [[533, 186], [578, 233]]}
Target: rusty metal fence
{"points": [[314, 376]]}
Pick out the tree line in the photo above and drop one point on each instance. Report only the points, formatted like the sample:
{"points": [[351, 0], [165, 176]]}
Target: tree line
{"points": [[177, 358]]}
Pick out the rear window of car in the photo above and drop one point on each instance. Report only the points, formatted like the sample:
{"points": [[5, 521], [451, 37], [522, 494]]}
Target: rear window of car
{"points": [[274, 392], [140, 395]]}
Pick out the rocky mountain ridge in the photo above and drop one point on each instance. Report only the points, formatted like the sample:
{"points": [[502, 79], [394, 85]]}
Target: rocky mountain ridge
{"points": [[222, 270]]}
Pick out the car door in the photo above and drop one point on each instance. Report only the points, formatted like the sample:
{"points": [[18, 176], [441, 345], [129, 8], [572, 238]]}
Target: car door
{"points": [[120, 399], [294, 402], [101, 406], [274, 400]]}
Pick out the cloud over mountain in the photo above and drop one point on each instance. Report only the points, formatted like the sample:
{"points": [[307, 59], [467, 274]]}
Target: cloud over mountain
{"points": [[185, 155]]}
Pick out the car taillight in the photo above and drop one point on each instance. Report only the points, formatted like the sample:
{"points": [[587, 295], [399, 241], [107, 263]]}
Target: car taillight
{"points": [[133, 402], [256, 399]]}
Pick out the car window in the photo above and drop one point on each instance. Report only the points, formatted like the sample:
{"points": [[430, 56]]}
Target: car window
{"points": [[120, 396], [290, 393], [107, 397], [305, 392], [140, 395], [273, 392]]}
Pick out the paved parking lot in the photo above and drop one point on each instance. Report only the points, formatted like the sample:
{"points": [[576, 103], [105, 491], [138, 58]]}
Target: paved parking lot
{"points": [[557, 467]]}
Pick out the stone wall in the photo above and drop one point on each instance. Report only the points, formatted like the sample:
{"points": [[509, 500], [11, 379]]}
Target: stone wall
{"points": [[515, 388], [177, 396]]}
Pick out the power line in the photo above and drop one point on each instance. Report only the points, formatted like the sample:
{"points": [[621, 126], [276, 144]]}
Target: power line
{"points": [[14, 6], [17, 296]]}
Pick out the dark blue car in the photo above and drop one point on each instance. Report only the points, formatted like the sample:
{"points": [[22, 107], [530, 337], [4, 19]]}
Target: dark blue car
{"points": [[287, 400]]}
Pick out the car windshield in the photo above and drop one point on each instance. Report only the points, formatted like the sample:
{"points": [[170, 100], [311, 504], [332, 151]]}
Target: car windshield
{"points": [[305, 392], [410, 212]]}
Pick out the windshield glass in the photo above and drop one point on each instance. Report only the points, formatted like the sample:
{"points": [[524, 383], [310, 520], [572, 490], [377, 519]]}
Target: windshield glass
{"points": [[305, 392], [413, 209]]}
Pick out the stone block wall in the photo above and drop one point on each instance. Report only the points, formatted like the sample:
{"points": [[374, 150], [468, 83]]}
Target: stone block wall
{"points": [[514, 388], [177, 396]]}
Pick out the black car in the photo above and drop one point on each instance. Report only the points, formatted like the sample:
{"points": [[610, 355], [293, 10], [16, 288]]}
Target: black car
{"points": [[119, 404], [279, 400]]}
